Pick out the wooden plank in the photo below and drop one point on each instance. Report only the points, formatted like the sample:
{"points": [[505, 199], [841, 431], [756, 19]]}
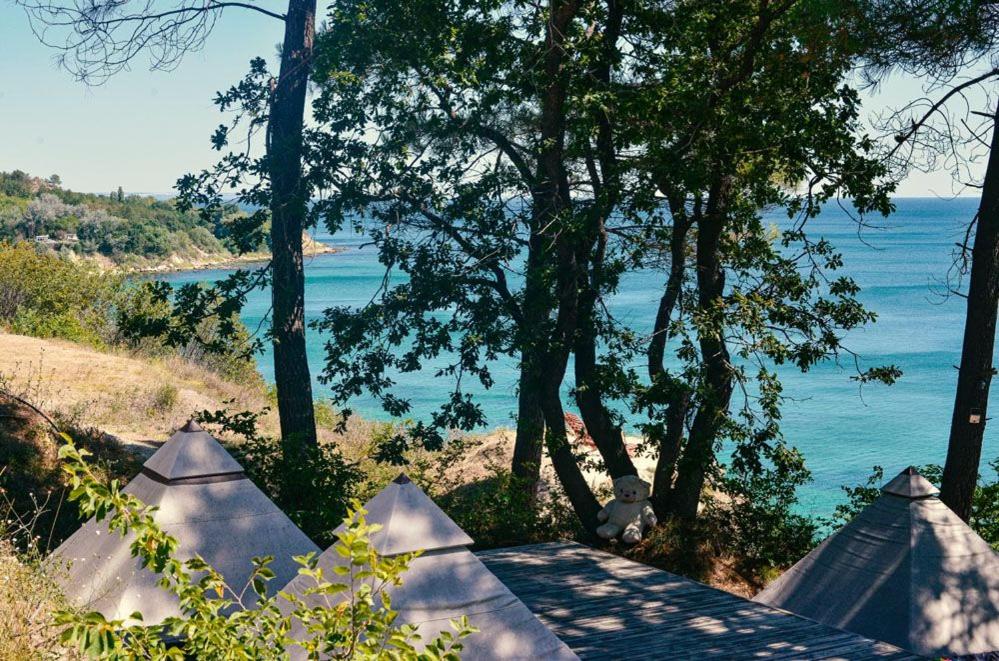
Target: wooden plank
{"points": [[605, 606]]}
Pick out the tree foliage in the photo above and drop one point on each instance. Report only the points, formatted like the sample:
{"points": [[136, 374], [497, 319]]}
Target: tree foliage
{"points": [[516, 162]]}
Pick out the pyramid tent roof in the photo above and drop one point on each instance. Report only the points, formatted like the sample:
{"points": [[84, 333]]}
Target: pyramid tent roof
{"points": [[906, 570], [205, 501], [411, 521], [191, 453], [446, 581]]}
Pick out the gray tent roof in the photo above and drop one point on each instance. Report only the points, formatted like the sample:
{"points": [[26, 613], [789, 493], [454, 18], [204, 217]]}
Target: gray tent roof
{"points": [[411, 521], [221, 516], [191, 452], [906, 570], [910, 484], [445, 582]]}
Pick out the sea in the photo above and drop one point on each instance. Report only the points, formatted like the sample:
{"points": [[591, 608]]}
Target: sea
{"points": [[903, 264]]}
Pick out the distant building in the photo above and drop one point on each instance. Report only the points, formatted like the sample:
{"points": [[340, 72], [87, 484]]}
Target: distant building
{"points": [[50, 242]]}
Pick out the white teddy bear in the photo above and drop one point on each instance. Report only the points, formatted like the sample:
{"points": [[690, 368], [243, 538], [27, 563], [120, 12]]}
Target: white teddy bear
{"points": [[629, 511]]}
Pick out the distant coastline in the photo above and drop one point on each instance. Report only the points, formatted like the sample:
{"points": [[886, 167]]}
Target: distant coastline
{"points": [[176, 264]]}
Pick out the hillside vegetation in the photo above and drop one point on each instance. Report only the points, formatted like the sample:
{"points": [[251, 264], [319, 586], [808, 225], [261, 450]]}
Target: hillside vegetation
{"points": [[124, 230], [135, 232]]}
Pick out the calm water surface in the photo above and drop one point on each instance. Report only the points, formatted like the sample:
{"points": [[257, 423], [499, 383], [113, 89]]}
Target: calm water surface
{"points": [[842, 430]]}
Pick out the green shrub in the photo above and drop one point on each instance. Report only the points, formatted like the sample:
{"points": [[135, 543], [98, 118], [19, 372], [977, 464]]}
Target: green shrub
{"points": [[762, 536], [688, 548], [498, 509], [45, 296], [326, 415], [32, 487], [164, 398], [753, 510], [148, 319]]}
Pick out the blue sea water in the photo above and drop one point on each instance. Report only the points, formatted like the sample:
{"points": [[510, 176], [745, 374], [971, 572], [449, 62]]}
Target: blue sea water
{"points": [[843, 430]]}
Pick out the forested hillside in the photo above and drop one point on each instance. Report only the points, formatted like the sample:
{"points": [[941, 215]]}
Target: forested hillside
{"points": [[135, 231]]}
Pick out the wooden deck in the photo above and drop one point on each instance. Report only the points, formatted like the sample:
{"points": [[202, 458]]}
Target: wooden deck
{"points": [[604, 606]]}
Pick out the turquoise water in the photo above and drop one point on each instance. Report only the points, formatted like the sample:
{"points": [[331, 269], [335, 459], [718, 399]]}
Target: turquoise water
{"points": [[842, 430]]}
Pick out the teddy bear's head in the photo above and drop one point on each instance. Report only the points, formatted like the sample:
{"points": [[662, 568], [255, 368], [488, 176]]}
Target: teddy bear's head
{"points": [[631, 489]]}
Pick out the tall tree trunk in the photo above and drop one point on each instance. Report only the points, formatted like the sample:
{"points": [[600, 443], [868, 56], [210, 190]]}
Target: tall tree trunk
{"points": [[584, 503], [967, 427], [529, 443], [550, 197], [530, 438], [607, 435], [288, 213], [668, 433], [600, 424], [669, 438], [717, 386]]}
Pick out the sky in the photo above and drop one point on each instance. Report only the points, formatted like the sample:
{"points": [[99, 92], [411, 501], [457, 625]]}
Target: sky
{"points": [[143, 129]]}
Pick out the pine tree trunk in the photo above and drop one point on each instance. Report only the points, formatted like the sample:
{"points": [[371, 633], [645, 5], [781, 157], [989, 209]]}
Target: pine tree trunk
{"points": [[964, 450], [288, 213]]}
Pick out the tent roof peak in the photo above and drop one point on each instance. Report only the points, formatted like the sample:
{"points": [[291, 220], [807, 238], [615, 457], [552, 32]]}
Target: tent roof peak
{"points": [[191, 426], [910, 484], [192, 453], [411, 521]]}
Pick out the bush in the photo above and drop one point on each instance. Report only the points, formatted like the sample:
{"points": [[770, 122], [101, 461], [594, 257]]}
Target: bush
{"points": [[45, 296], [33, 488], [496, 510], [150, 320], [164, 398], [762, 536], [688, 548]]}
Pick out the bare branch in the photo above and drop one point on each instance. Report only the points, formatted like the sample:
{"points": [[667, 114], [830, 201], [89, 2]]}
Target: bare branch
{"points": [[97, 39]]}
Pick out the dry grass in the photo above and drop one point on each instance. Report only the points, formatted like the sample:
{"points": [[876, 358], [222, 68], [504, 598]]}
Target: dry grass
{"points": [[27, 599], [136, 399]]}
